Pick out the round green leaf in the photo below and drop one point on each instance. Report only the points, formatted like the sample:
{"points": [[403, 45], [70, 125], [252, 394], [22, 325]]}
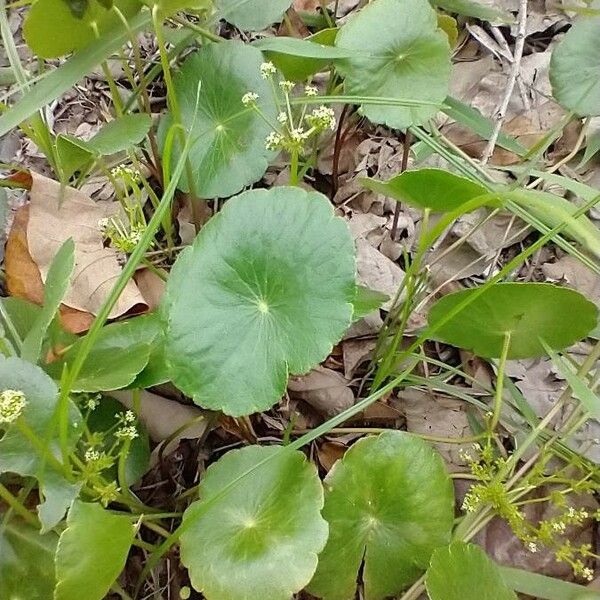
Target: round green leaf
{"points": [[26, 562], [574, 68], [229, 150], [531, 312], [51, 29], [435, 189], [265, 290], [260, 540], [464, 572], [398, 52], [91, 552], [252, 15], [390, 503]]}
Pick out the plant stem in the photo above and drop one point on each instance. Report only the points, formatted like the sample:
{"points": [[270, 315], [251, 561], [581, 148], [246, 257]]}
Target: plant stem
{"points": [[294, 168], [500, 383], [14, 503]]}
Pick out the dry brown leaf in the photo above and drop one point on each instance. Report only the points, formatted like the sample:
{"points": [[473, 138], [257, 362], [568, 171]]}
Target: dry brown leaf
{"points": [[23, 279], [324, 389], [163, 417], [356, 351], [56, 215], [439, 416], [329, 453], [377, 271], [573, 273], [151, 286]]}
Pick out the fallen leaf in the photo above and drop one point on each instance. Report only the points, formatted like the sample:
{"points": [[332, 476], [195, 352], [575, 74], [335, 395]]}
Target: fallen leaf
{"points": [[162, 418], [356, 351], [376, 271], [151, 286], [571, 272], [56, 215], [438, 416], [324, 389], [23, 279], [329, 453]]}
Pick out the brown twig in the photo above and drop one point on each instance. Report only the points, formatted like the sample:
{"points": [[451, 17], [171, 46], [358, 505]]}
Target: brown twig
{"points": [[337, 148], [403, 165], [514, 72]]}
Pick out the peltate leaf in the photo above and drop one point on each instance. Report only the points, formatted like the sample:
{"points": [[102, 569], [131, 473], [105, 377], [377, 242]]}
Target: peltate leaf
{"points": [[265, 290], [51, 29], [260, 540], [17, 455], [529, 312], [26, 562], [398, 51], [229, 149], [574, 68], [390, 503], [121, 133], [91, 552], [252, 14], [464, 572]]}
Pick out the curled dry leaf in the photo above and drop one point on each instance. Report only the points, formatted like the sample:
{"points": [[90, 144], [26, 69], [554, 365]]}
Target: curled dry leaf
{"points": [[56, 215], [356, 351], [23, 279], [324, 389]]}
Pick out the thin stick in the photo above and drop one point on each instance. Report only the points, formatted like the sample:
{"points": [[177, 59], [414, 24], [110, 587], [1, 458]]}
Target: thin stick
{"points": [[403, 165], [516, 67]]}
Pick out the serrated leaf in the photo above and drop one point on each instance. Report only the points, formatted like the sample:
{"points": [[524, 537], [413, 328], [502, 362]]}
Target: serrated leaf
{"points": [[265, 291], [528, 311], [436, 189], [574, 68], [252, 15], [464, 572], [229, 149], [553, 210], [17, 455], [52, 30], [398, 51], [388, 502], [26, 562], [91, 552], [260, 540], [57, 281], [121, 352]]}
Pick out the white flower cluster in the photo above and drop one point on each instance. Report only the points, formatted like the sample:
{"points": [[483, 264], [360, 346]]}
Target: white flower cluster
{"points": [[92, 455], [267, 70], [126, 173], [12, 403], [322, 118], [249, 98], [127, 432]]}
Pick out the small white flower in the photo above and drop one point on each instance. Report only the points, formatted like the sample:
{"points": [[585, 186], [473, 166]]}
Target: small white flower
{"points": [[559, 526], [249, 98], [322, 118], [104, 224], [129, 417], [92, 403], [267, 70], [127, 432], [286, 86], [92, 455], [298, 135], [311, 90], [125, 172], [532, 547], [571, 512], [273, 141], [587, 573], [282, 118], [12, 403]]}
